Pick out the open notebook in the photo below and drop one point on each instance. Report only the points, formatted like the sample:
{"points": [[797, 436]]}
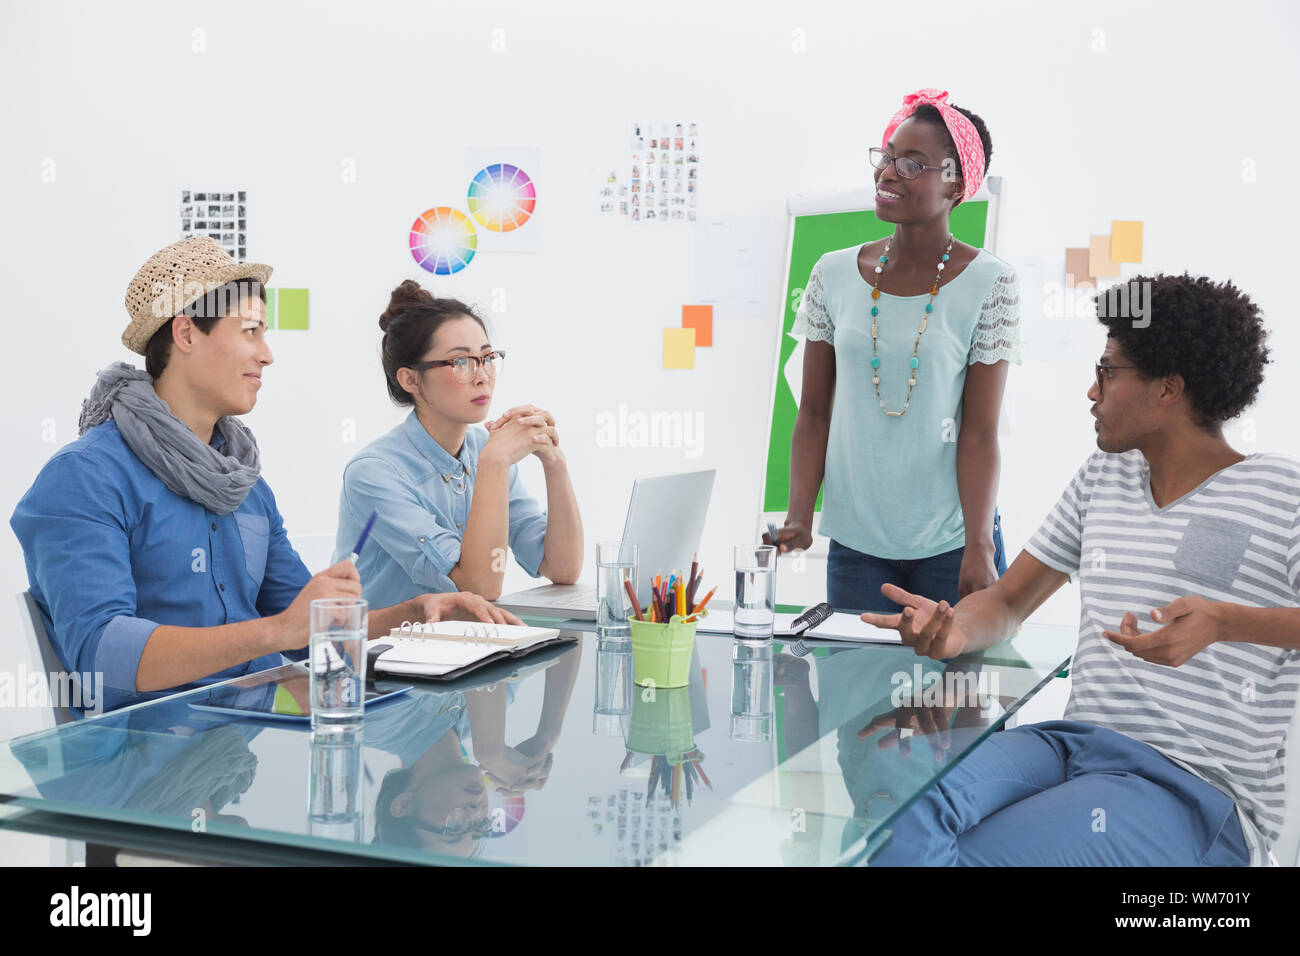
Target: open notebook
{"points": [[449, 649]]}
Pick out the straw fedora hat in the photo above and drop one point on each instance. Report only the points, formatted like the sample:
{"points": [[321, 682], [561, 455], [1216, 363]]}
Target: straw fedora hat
{"points": [[175, 278]]}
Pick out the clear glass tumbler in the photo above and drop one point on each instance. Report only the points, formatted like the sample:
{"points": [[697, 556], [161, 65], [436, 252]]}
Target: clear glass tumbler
{"points": [[615, 567], [755, 612], [338, 661]]}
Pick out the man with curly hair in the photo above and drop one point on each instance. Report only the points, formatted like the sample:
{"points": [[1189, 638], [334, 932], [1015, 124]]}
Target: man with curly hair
{"points": [[1173, 747]]}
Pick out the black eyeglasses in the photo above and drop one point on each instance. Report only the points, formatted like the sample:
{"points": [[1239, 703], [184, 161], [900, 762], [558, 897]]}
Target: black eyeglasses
{"points": [[464, 368], [1103, 374], [907, 168]]}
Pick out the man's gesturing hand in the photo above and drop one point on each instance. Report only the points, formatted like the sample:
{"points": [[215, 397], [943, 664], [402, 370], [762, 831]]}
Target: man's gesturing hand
{"points": [[928, 628]]}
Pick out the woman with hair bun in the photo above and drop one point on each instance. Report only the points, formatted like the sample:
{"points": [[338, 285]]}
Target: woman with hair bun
{"points": [[447, 489]]}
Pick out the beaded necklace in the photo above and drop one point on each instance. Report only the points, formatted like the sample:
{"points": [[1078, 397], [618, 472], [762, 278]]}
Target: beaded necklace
{"points": [[875, 312]]}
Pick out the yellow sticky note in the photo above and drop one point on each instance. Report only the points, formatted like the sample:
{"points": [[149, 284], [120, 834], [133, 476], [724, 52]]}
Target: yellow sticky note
{"points": [[679, 348], [1125, 241], [1099, 264]]}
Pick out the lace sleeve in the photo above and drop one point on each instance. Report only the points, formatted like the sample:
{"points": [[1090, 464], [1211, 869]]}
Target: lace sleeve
{"points": [[997, 334], [813, 318]]}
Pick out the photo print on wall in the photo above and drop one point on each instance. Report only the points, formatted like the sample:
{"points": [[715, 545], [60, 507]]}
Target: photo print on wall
{"points": [[219, 215], [658, 181]]}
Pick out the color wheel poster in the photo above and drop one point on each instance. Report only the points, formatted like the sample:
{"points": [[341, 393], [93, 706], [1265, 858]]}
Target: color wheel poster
{"points": [[502, 198], [492, 209]]}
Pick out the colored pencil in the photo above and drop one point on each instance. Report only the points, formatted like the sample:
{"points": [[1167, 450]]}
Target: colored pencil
{"points": [[636, 605], [700, 607]]}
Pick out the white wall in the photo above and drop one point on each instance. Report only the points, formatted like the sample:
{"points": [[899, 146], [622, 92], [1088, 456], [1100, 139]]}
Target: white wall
{"points": [[1155, 128]]}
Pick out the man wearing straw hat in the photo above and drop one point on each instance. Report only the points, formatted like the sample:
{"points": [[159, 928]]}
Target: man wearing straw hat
{"points": [[154, 547]]}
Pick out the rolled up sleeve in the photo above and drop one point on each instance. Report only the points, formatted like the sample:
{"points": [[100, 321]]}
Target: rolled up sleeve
{"points": [[121, 645], [527, 526], [416, 539], [72, 525]]}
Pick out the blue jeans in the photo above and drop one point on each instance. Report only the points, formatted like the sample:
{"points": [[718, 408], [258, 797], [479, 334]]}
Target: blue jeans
{"points": [[853, 579], [1064, 793]]}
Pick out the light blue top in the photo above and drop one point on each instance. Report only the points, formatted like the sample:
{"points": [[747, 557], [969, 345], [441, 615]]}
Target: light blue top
{"points": [[112, 553], [890, 486], [422, 514]]}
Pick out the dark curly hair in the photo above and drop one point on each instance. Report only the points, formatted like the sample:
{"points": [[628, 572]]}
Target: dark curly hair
{"points": [[928, 113], [1209, 333]]}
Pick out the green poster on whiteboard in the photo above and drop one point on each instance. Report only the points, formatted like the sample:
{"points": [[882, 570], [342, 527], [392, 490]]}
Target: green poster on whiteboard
{"points": [[811, 237]]}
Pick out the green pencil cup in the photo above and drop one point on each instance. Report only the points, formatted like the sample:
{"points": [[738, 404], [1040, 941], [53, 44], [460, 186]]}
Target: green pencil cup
{"points": [[661, 722], [661, 653]]}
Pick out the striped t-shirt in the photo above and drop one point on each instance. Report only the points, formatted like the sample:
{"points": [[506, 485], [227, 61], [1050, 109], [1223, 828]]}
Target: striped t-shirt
{"points": [[1224, 713]]}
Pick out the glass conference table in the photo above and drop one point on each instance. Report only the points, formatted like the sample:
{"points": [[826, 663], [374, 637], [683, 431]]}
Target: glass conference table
{"points": [[559, 759]]}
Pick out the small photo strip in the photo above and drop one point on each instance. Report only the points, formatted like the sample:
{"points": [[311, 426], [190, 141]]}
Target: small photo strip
{"points": [[659, 147], [216, 215]]}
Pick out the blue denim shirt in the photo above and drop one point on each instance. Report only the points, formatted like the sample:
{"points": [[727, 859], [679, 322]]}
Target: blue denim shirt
{"points": [[112, 553], [422, 516]]}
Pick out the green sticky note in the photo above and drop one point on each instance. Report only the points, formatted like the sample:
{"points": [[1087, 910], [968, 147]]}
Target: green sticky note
{"points": [[292, 308], [270, 308]]}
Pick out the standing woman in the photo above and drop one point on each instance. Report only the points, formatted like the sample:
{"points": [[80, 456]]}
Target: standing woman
{"points": [[447, 490], [908, 341]]}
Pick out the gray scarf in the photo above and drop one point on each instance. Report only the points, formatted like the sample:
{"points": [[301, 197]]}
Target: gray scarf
{"points": [[218, 480]]}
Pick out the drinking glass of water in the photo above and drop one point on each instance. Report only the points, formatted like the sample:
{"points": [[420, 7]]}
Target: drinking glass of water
{"points": [[615, 569], [755, 612], [337, 661]]}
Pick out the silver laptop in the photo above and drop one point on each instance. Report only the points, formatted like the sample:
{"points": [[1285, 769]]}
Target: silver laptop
{"points": [[665, 518]]}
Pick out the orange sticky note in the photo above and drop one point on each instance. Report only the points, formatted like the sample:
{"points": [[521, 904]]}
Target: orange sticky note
{"points": [[1099, 263], [679, 348], [1125, 241], [1076, 268], [699, 318]]}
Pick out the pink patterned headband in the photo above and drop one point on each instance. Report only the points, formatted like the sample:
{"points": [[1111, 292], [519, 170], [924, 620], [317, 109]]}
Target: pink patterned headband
{"points": [[970, 150]]}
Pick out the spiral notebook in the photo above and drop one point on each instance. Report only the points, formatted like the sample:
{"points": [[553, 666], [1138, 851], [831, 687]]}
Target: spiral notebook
{"points": [[450, 649]]}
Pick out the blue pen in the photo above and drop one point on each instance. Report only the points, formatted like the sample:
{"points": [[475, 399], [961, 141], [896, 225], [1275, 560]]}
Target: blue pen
{"points": [[361, 542], [332, 656]]}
